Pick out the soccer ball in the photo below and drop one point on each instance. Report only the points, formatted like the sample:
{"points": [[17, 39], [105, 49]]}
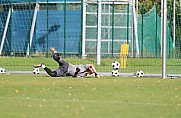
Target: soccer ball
{"points": [[2, 70], [139, 73], [115, 73], [115, 65], [36, 71]]}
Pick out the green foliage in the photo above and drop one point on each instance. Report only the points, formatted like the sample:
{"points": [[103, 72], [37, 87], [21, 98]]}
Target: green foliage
{"points": [[148, 4]]}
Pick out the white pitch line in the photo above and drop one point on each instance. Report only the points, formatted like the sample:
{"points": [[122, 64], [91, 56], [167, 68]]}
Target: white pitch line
{"points": [[75, 100]]}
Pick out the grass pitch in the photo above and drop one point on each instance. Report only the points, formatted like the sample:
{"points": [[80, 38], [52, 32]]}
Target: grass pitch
{"points": [[40, 96], [147, 65]]}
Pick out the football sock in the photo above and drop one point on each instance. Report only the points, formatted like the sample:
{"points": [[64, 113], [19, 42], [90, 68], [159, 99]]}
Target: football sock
{"points": [[55, 51], [43, 66], [51, 73]]}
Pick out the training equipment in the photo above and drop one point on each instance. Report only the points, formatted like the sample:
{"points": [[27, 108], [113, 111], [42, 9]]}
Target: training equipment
{"points": [[115, 73], [2, 70], [36, 71], [124, 54], [115, 65], [139, 73]]}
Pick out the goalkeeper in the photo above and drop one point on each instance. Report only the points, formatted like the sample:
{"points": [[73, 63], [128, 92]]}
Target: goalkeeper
{"points": [[68, 69]]}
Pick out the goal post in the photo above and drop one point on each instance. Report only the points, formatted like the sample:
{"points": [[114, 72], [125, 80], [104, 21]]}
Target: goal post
{"points": [[32, 29], [5, 30], [99, 32], [164, 36]]}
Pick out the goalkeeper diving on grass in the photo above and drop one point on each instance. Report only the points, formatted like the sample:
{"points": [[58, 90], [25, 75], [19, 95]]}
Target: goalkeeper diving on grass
{"points": [[68, 69]]}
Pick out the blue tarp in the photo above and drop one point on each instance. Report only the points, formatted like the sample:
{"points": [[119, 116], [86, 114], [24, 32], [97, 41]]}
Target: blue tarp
{"points": [[19, 1], [18, 33]]}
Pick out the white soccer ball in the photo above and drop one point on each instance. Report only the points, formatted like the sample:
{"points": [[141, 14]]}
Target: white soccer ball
{"points": [[2, 70], [139, 73], [36, 71], [115, 65], [115, 73]]}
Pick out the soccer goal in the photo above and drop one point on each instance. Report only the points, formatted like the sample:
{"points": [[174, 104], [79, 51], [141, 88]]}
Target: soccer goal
{"points": [[89, 31]]}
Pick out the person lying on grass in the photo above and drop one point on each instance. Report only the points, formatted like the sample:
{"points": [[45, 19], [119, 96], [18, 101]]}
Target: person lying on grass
{"points": [[68, 69]]}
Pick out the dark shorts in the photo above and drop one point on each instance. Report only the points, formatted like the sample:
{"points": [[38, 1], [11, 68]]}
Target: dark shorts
{"points": [[63, 65], [63, 68]]}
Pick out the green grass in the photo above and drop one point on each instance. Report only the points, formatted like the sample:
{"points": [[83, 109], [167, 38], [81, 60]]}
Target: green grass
{"points": [[148, 65], [40, 96]]}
